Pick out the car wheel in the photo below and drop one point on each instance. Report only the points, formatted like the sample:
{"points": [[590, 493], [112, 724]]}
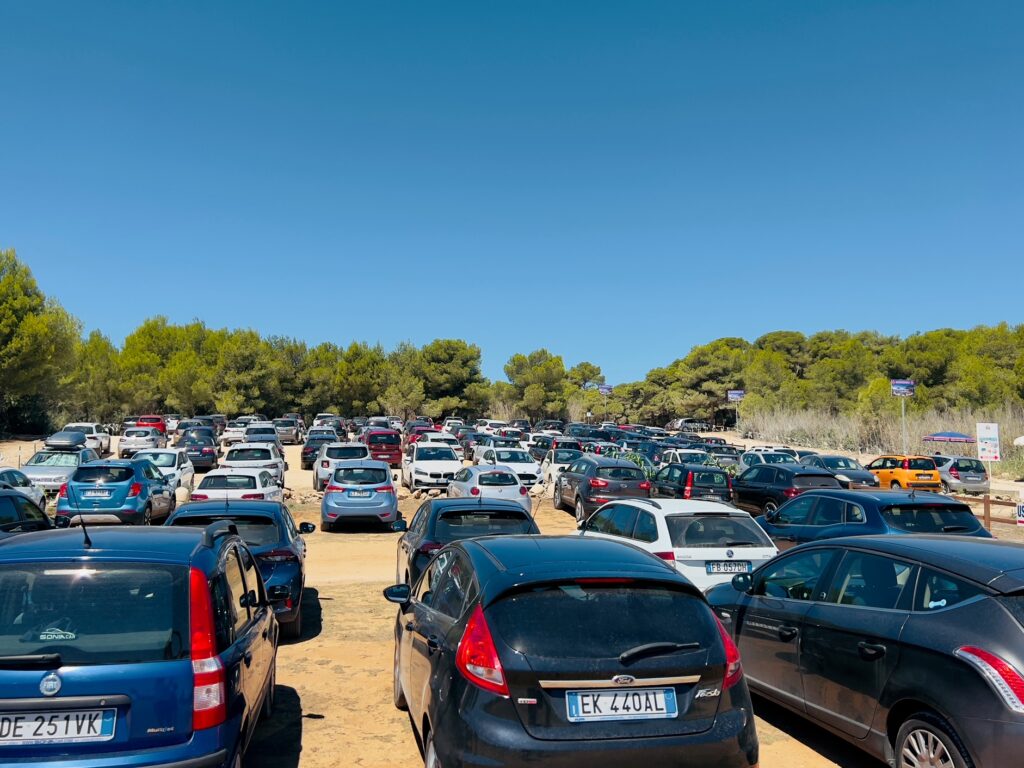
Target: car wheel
{"points": [[173, 505], [927, 741], [147, 516], [430, 759], [396, 686], [770, 507], [945, 487], [581, 512], [557, 501], [268, 700], [895, 485], [326, 527], [293, 629]]}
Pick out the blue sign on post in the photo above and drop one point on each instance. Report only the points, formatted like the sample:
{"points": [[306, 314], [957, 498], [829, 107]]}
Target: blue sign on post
{"points": [[902, 387], [736, 395], [604, 389]]}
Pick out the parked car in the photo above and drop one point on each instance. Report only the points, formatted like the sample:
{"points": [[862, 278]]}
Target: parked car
{"points": [[515, 459], [171, 421], [848, 471], [128, 422], [153, 422], [725, 455], [261, 432], [692, 481], [685, 456], [173, 464], [234, 432], [201, 451], [754, 458], [438, 522], [765, 488], [199, 433], [238, 484], [906, 646], [96, 437], [592, 481], [359, 490], [429, 465], [183, 425], [706, 541], [20, 514], [906, 472], [311, 448], [490, 481], [330, 455], [321, 432], [138, 647], [288, 431], [140, 439], [264, 455], [490, 442], [133, 492], [385, 445], [962, 474], [272, 536], [634, 671], [62, 454], [443, 438], [12, 479], [555, 461]]}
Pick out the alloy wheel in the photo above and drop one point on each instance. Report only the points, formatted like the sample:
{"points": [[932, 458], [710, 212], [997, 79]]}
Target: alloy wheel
{"points": [[923, 749], [581, 513]]}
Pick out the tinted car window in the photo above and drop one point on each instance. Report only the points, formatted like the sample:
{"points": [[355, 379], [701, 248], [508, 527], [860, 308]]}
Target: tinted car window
{"points": [[8, 513], [646, 528], [497, 479], [385, 439], [796, 511], [249, 454], [829, 511], [621, 521], [869, 581], [598, 621], [464, 524], [361, 475], [255, 530], [451, 587], [103, 474], [228, 482], [815, 481], [937, 590], [435, 454], [622, 474], [715, 531], [922, 465], [794, 577], [932, 518], [105, 613], [236, 591]]}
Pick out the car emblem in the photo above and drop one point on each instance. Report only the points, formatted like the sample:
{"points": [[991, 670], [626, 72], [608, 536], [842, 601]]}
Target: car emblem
{"points": [[50, 685], [728, 553], [623, 680]]}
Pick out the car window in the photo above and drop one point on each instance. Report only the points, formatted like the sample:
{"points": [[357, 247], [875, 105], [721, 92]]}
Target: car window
{"points": [[795, 577], [252, 579], [855, 513], [28, 510], [932, 518], [646, 528], [452, 586], [419, 520], [715, 531], [430, 577], [601, 519], [869, 581], [622, 521], [795, 512], [8, 512], [829, 511], [937, 590], [675, 475], [236, 591]]}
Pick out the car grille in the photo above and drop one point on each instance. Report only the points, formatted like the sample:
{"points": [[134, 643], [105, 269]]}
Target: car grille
{"points": [[528, 479], [442, 475]]}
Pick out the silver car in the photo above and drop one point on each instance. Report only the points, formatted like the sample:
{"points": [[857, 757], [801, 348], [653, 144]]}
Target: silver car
{"points": [[493, 481], [331, 455], [51, 467], [16, 480], [140, 439], [962, 474], [288, 431]]}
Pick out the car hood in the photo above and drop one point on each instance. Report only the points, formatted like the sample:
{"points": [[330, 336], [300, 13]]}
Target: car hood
{"points": [[437, 466], [38, 473]]}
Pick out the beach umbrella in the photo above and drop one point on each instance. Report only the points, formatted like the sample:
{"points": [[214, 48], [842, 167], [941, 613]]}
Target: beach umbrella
{"points": [[948, 437]]}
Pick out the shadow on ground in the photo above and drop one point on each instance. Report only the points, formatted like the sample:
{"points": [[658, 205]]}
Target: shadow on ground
{"points": [[312, 617], [277, 742]]}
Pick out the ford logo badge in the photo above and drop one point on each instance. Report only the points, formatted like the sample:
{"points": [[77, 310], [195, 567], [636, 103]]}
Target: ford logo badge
{"points": [[50, 685], [623, 680]]}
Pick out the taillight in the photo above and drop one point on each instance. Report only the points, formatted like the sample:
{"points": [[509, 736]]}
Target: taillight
{"points": [[645, 485], [269, 466], [208, 701], [791, 493], [733, 668], [474, 491], [135, 490], [688, 490], [669, 557], [906, 464], [477, 658], [63, 493], [522, 490], [253, 496], [325, 464], [280, 556], [198, 497], [597, 482], [954, 472], [386, 489], [999, 673], [208, 451]]}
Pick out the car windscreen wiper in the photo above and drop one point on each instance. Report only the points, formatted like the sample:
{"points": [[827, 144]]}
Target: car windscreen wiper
{"points": [[654, 649], [743, 544], [32, 661], [951, 528]]}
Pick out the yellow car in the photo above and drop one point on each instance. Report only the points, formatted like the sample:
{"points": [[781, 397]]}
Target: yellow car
{"points": [[910, 472]]}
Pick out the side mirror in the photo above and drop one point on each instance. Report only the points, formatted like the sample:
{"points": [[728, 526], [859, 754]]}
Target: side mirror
{"points": [[249, 599], [399, 593], [742, 582], [561, 470], [307, 528], [399, 526]]}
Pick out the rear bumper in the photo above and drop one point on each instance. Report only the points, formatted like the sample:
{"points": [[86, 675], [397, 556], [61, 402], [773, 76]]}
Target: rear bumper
{"points": [[156, 758], [385, 512], [967, 486]]}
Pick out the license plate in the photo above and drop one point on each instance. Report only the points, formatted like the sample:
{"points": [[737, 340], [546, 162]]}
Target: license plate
{"points": [[728, 566], [96, 494], [57, 727], [359, 494], [633, 704], [924, 477]]}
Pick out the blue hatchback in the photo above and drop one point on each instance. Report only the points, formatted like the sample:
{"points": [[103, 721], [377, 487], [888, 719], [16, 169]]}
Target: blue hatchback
{"points": [[132, 647], [132, 491]]}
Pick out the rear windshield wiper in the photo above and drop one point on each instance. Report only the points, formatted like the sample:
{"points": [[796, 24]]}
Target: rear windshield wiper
{"points": [[950, 528], [743, 544], [32, 661], [654, 649]]}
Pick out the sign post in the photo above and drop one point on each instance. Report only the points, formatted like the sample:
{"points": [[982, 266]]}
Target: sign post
{"points": [[605, 390], [736, 396], [902, 388], [988, 447]]}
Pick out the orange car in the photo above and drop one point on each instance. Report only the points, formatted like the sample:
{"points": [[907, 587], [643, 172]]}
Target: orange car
{"points": [[910, 472]]}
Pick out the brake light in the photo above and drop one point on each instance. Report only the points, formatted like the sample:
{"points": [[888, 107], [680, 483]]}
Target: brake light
{"points": [[733, 668], [208, 451], [999, 673], [522, 490], [597, 482], [474, 491], [333, 488], [386, 489], [325, 464], [791, 493], [906, 464], [209, 708], [198, 497], [645, 485], [669, 557], [253, 496], [954, 472], [269, 466], [135, 490], [63, 493], [477, 658], [280, 556]]}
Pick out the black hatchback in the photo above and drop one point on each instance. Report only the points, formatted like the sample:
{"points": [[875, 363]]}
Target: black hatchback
{"points": [[566, 652], [766, 487]]}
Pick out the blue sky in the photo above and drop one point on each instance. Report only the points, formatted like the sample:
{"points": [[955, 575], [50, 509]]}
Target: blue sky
{"points": [[615, 181]]}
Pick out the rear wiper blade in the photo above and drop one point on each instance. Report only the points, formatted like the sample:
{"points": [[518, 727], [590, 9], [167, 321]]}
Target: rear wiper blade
{"points": [[32, 661], [948, 528], [654, 649], [742, 544]]}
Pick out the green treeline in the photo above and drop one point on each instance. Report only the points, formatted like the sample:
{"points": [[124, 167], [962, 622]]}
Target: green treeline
{"points": [[49, 371]]}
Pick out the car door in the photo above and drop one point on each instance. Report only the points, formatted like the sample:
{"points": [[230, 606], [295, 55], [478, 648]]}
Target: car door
{"points": [[769, 623], [850, 644], [416, 623], [263, 643], [409, 542], [158, 495], [787, 526], [881, 470], [238, 658], [667, 481], [186, 472], [749, 488], [827, 520]]}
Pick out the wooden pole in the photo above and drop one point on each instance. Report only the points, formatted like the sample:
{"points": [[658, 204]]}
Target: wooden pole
{"points": [[988, 513]]}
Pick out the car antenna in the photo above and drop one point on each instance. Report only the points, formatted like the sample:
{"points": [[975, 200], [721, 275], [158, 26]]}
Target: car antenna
{"points": [[81, 518]]}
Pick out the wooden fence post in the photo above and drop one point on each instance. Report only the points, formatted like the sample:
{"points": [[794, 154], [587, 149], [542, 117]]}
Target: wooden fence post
{"points": [[988, 513]]}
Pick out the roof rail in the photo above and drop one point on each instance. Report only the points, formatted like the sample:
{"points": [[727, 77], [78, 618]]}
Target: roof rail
{"points": [[215, 530], [646, 500]]}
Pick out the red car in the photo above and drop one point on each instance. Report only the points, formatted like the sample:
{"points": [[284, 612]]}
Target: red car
{"points": [[384, 445], [154, 422], [418, 432]]}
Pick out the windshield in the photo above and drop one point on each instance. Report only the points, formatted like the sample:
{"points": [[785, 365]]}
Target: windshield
{"points": [[456, 525], [932, 518], [514, 457], [255, 530], [840, 462], [715, 531], [566, 456], [97, 613], [346, 452], [362, 476], [159, 459], [621, 473], [777, 458], [53, 459], [138, 433], [441, 453], [385, 439], [228, 482], [494, 479], [101, 474], [249, 454]]}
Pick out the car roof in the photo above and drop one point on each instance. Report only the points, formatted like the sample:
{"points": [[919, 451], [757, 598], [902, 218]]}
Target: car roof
{"points": [[685, 507], [164, 544], [197, 508], [607, 461], [362, 463], [437, 506], [234, 471], [885, 496]]}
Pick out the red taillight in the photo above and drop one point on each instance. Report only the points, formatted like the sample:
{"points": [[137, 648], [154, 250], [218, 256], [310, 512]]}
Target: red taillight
{"points": [[474, 491], [135, 490], [791, 493], [906, 464], [325, 464], [597, 482], [669, 557], [477, 658], [253, 496], [645, 485], [688, 490], [63, 493], [954, 472], [280, 556], [522, 490], [333, 488], [198, 497], [733, 668], [386, 489], [208, 701], [1005, 680], [207, 451]]}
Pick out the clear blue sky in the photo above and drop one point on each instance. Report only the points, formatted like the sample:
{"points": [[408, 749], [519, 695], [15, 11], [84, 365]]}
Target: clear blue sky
{"points": [[616, 181]]}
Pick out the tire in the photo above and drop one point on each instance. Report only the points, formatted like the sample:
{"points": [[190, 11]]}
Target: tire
{"points": [[398, 695], [556, 499], [946, 488], [326, 527], [581, 511], [769, 507], [430, 759], [293, 629], [267, 710], [172, 507], [147, 516], [895, 485], [926, 740]]}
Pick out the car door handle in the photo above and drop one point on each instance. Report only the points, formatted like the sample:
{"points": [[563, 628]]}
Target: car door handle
{"points": [[433, 643], [410, 627], [787, 633], [871, 651]]}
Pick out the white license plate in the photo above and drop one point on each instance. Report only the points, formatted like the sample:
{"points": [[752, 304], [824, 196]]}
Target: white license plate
{"points": [[96, 494], [924, 477], [631, 704], [728, 566], [57, 727], [359, 494]]}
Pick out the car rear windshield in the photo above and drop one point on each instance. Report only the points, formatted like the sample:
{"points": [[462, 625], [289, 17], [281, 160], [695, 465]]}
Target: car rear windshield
{"points": [[777, 458], [159, 459], [347, 452], [387, 439], [249, 454], [255, 530], [498, 479], [970, 465], [284, 422], [599, 621], [261, 431], [228, 482], [815, 481], [95, 612], [200, 440], [921, 465], [362, 476], [465, 524], [622, 474], [138, 433], [53, 459], [710, 479], [87, 474], [715, 531], [931, 518]]}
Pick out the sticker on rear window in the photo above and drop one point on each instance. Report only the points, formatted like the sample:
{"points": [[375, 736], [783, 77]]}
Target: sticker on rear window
{"points": [[48, 635]]}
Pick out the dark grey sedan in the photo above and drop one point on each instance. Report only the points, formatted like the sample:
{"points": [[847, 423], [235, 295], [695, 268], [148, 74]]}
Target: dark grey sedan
{"points": [[848, 472]]}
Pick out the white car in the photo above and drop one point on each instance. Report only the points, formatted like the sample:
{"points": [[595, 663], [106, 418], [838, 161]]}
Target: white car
{"points": [[490, 482], [331, 455], [16, 480], [490, 426], [171, 420], [234, 432], [492, 441], [684, 456], [238, 485], [323, 432], [516, 459], [451, 424], [429, 465], [256, 456], [707, 542], [322, 418], [449, 439], [173, 464], [96, 437], [554, 462]]}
